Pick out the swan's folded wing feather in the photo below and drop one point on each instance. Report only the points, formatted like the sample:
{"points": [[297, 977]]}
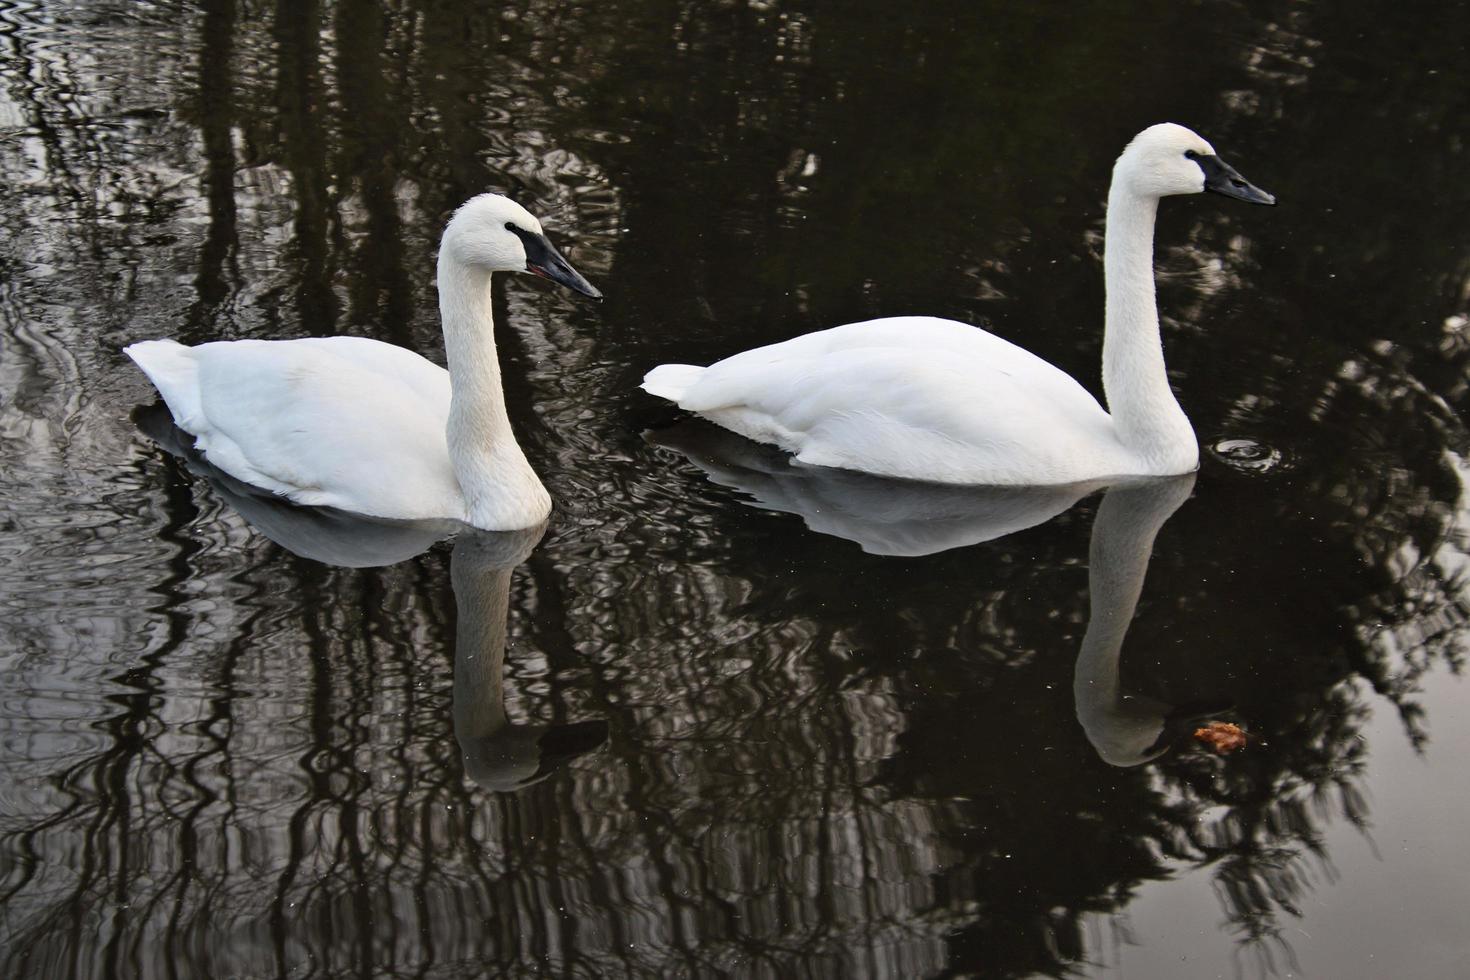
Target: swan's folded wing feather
{"points": [[338, 422], [426, 379]]}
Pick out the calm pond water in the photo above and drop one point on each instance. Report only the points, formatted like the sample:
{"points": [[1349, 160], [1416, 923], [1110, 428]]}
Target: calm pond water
{"points": [[725, 718]]}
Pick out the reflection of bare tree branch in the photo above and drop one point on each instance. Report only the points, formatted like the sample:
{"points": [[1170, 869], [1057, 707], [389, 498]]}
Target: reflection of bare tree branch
{"points": [[373, 118], [302, 103], [216, 119]]}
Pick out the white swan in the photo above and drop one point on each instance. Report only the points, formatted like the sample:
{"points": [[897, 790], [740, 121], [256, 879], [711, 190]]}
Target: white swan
{"points": [[367, 427], [930, 399], [499, 754]]}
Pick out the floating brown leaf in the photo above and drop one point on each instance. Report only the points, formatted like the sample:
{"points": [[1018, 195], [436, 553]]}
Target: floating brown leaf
{"points": [[1222, 736]]}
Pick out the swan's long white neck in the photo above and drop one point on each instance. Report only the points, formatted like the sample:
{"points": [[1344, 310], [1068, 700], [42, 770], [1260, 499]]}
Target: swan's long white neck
{"points": [[501, 491], [1149, 421]]}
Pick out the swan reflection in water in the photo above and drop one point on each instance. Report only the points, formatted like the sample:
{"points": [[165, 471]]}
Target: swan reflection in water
{"points": [[499, 754], [1127, 729], [912, 519]]}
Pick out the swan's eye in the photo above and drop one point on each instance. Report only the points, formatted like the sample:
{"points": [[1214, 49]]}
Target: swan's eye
{"points": [[510, 226], [1191, 155]]}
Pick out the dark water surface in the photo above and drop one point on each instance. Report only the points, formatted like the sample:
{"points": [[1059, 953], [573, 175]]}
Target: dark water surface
{"points": [[722, 743]]}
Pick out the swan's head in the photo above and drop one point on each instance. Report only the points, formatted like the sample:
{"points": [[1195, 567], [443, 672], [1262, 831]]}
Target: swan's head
{"points": [[1170, 159], [496, 234]]}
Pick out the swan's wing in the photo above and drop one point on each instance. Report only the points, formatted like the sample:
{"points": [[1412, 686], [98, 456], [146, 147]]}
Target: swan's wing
{"points": [[341, 422], [426, 379], [911, 397]]}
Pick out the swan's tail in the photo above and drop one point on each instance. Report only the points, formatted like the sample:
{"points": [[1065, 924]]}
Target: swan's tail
{"points": [[671, 381], [174, 372]]}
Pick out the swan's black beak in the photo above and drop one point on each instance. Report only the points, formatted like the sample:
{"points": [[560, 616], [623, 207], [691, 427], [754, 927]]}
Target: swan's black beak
{"points": [[1222, 178], [544, 260]]}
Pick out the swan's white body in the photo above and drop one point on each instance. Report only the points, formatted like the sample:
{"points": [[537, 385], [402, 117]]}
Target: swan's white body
{"points": [[912, 396], [368, 427], [342, 422], [930, 399]]}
